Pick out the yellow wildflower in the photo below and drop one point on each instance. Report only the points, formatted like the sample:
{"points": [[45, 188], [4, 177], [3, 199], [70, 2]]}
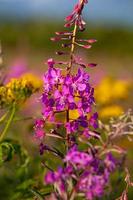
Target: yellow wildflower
{"points": [[103, 91], [10, 96], [19, 89], [110, 111], [121, 89], [73, 114], [109, 90], [34, 80], [3, 92]]}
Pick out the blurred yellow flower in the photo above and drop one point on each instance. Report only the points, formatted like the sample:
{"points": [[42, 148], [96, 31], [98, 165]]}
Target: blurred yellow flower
{"points": [[109, 90], [73, 114], [110, 111], [34, 80], [103, 91], [121, 89], [19, 89]]}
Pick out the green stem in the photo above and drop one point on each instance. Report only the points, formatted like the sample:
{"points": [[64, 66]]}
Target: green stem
{"points": [[72, 48], [8, 123], [3, 117]]}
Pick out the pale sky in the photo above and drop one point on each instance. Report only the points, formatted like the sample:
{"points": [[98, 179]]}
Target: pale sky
{"points": [[120, 11]]}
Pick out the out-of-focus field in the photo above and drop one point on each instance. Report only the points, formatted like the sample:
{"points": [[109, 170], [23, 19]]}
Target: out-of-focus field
{"points": [[29, 44], [113, 51]]}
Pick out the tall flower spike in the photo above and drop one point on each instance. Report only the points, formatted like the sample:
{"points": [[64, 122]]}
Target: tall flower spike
{"points": [[68, 107], [66, 92], [75, 19]]}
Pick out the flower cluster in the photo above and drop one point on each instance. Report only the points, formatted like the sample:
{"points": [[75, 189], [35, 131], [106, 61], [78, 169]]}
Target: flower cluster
{"points": [[91, 177], [18, 90], [75, 17], [67, 93], [86, 168]]}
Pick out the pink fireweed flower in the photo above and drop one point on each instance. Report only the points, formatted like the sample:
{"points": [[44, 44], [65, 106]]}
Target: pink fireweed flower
{"points": [[110, 162], [71, 91], [38, 127], [90, 173], [52, 177], [94, 120], [50, 62], [92, 185], [58, 178], [39, 123], [75, 17], [80, 159], [87, 171], [39, 134]]}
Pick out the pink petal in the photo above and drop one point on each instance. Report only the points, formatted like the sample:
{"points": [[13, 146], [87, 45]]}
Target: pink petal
{"points": [[69, 17], [55, 39], [92, 65], [91, 41], [50, 62], [87, 46], [57, 94], [81, 87], [63, 33]]}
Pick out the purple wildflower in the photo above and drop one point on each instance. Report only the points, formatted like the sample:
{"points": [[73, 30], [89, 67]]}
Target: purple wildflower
{"points": [[60, 93], [52, 177], [39, 134], [110, 162], [42, 148], [39, 123], [50, 62], [78, 158], [58, 178], [92, 185], [82, 171], [76, 17], [94, 120]]}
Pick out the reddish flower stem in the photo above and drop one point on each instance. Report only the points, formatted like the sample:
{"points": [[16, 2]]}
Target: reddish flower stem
{"points": [[73, 45], [70, 67], [72, 49]]}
